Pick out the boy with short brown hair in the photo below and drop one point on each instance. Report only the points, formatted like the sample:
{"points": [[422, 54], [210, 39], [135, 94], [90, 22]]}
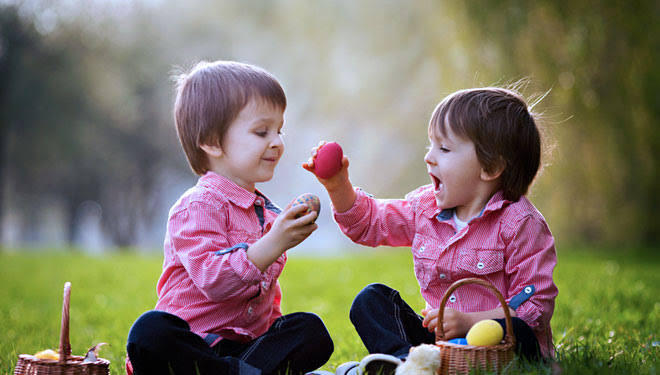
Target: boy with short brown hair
{"points": [[218, 309]]}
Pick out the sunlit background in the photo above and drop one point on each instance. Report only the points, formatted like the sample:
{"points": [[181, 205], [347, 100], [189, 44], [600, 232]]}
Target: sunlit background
{"points": [[89, 157]]}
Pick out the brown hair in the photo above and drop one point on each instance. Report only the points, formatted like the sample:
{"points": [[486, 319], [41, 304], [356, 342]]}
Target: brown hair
{"points": [[210, 97], [502, 128]]}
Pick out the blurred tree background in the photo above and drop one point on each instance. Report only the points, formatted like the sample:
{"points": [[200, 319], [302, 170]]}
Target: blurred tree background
{"points": [[89, 155]]}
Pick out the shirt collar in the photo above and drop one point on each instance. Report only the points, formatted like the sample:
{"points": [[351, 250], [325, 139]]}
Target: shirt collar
{"points": [[495, 203], [230, 190]]}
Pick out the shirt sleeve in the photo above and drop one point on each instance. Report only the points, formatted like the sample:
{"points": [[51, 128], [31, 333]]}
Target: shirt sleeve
{"points": [[531, 260], [198, 236], [375, 222]]}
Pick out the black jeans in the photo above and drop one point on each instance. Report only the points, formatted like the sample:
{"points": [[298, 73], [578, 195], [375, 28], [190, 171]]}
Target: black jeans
{"points": [[162, 343], [387, 324]]}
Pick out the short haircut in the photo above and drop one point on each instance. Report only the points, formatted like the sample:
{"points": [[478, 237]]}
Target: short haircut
{"points": [[209, 98], [502, 128]]}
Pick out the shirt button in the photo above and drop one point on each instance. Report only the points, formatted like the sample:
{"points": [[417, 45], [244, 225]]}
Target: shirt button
{"points": [[421, 249], [264, 284], [257, 202], [480, 265], [528, 290], [452, 299], [250, 310], [443, 276]]}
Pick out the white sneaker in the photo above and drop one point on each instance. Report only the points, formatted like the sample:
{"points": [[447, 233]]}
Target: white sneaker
{"points": [[348, 368], [379, 364]]}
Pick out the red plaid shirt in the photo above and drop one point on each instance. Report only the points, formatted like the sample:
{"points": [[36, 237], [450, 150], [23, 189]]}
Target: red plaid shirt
{"points": [[207, 279], [509, 245]]}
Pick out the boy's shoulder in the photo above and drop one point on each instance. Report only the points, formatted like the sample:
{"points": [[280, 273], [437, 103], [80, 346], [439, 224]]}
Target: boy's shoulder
{"points": [[199, 194], [422, 198], [522, 209]]}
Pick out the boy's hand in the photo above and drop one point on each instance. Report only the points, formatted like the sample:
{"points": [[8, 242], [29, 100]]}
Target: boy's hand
{"points": [[287, 231], [338, 186], [334, 182], [430, 319], [455, 323]]}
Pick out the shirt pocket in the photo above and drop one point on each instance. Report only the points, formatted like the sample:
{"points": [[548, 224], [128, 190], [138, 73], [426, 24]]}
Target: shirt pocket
{"points": [[481, 261], [426, 252]]}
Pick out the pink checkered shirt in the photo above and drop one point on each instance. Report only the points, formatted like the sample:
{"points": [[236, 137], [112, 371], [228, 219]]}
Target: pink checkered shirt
{"points": [[207, 279], [509, 245]]}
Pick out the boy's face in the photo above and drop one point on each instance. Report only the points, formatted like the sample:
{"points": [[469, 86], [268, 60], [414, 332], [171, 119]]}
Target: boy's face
{"points": [[252, 146], [456, 174]]}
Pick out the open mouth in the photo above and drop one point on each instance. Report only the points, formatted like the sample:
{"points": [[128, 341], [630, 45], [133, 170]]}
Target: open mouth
{"points": [[436, 182]]}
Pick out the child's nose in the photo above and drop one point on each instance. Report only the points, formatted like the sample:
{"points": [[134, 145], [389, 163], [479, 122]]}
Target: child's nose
{"points": [[277, 142], [428, 159]]}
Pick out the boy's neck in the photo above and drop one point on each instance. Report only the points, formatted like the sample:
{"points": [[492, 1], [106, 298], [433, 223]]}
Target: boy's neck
{"points": [[251, 187], [476, 206]]}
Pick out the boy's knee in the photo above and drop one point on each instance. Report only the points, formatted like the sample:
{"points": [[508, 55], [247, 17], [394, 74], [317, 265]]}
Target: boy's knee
{"points": [[314, 333], [316, 328], [363, 300], [152, 326]]}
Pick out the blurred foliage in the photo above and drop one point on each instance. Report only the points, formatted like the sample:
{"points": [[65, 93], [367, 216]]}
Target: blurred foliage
{"points": [[85, 98], [77, 124], [601, 59]]}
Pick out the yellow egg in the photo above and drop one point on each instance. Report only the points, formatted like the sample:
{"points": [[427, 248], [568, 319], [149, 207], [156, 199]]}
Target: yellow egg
{"points": [[485, 333], [48, 354]]}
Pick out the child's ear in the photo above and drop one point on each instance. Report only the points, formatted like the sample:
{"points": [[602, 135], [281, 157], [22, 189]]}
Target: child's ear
{"points": [[211, 150], [495, 173]]}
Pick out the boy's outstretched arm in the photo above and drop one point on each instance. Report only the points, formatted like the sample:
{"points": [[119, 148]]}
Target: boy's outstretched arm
{"points": [[287, 231], [339, 186]]}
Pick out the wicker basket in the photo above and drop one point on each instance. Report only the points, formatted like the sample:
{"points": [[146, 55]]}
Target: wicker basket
{"points": [[461, 359], [68, 364]]}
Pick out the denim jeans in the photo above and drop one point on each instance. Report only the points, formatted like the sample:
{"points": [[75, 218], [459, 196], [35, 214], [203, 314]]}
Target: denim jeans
{"points": [[162, 343], [387, 324]]}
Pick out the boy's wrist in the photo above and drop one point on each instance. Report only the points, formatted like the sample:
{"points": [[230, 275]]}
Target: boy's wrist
{"points": [[265, 251], [343, 196], [338, 187]]}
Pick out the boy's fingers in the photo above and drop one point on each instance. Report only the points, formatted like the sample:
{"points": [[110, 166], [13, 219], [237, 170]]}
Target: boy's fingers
{"points": [[344, 162], [433, 323], [292, 212], [307, 218], [306, 230], [429, 315], [311, 228], [309, 165]]}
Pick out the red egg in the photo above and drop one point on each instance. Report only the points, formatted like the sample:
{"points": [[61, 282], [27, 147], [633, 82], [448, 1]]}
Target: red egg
{"points": [[328, 160]]}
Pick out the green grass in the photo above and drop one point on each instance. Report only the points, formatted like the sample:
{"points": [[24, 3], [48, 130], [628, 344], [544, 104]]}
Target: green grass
{"points": [[607, 319]]}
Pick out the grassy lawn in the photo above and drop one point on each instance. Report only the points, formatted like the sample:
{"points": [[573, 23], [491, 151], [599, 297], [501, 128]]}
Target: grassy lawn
{"points": [[607, 318]]}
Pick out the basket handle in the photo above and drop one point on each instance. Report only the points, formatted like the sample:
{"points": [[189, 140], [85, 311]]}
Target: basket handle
{"points": [[440, 331], [65, 345]]}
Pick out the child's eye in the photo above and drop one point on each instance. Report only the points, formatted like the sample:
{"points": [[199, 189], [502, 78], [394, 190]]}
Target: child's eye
{"points": [[440, 147]]}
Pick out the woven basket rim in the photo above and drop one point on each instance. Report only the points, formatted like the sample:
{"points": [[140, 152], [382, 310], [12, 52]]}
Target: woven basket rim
{"points": [[72, 360]]}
